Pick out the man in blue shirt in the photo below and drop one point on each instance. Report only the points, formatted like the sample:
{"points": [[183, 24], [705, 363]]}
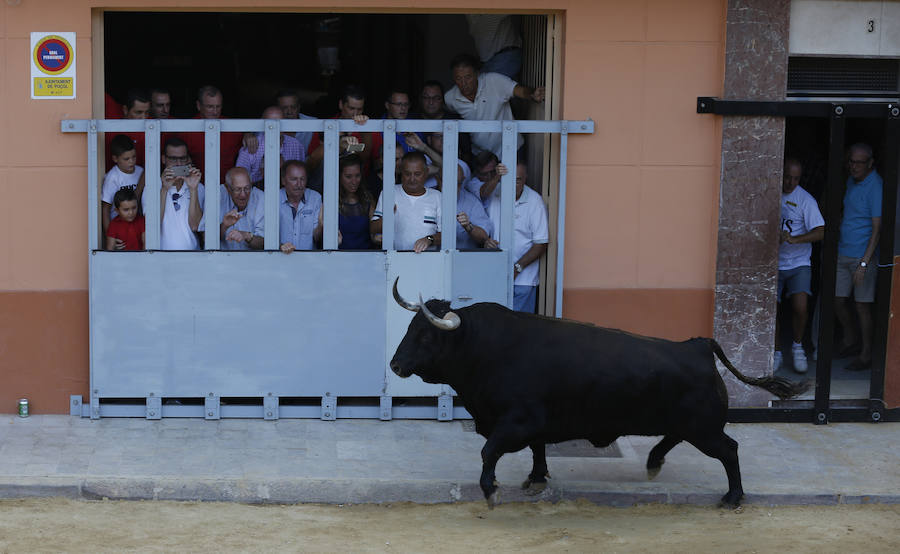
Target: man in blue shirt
{"points": [[299, 210], [857, 257]]}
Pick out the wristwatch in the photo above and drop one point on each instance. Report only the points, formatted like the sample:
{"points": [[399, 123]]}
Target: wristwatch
{"points": [[430, 238], [518, 267], [863, 264]]}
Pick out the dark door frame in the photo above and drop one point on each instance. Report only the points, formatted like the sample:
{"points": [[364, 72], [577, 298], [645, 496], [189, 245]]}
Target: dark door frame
{"points": [[837, 112]]}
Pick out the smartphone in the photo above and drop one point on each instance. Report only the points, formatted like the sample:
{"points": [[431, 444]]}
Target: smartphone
{"points": [[181, 170], [353, 148]]}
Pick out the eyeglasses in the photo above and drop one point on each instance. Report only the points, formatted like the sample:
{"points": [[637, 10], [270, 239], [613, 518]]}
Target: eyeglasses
{"points": [[178, 159], [859, 162], [399, 104], [175, 203]]}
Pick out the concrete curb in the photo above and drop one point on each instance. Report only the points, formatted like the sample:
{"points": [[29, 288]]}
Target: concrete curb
{"points": [[368, 491]]}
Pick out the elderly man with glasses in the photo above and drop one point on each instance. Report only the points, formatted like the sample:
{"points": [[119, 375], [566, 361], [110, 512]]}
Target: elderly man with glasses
{"points": [[181, 198], [857, 256]]}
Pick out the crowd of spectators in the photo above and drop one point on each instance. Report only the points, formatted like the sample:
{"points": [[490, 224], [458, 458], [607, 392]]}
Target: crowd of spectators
{"points": [[417, 180]]}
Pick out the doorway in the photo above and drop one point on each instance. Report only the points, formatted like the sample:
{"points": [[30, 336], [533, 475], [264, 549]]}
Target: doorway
{"points": [[821, 144]]}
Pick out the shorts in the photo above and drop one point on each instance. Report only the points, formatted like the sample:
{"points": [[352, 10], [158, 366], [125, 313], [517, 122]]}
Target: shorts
{"points": [[792, 281], [524, 298], [844, 280]]}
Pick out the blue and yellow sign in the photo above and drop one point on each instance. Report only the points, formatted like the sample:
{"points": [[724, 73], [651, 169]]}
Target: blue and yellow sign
{"points": [[52, 65]]}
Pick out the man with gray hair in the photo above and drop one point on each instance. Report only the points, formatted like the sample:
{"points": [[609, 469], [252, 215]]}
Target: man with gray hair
{"points": [[857, 263], [801, 225], [243, 213]]}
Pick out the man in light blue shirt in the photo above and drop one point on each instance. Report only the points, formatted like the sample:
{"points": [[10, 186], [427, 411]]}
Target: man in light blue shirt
{"points": [[299, 210], [857, 263], [243, 213]]}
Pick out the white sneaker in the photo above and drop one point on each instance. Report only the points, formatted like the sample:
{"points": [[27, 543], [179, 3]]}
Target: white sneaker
{"points": [[777, 359], [800, 364]]}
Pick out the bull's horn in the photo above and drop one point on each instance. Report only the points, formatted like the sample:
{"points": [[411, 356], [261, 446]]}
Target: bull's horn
{"points": [[403, 303], [450, 322]]}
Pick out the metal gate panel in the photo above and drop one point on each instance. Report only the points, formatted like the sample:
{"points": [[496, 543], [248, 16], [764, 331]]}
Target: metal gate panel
{"points": [[470, 283], [419, 274], [237, 324]]}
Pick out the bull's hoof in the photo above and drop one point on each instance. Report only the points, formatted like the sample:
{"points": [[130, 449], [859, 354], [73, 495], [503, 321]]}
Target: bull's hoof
{"points": [[731, 501], [652, 472], [493, 499], [534, 489]]}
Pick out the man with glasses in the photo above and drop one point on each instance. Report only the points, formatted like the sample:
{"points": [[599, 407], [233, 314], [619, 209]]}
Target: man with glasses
{"points": [[857, 256], [181, 199], [243, 223], [396, 105]]}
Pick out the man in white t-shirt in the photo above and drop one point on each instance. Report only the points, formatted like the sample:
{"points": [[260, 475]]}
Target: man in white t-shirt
{"points": [[801, 225], [485, 96], [417, 210], [181, 199], [531, 237]]}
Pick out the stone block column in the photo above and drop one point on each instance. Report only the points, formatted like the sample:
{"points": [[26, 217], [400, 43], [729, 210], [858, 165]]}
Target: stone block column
{"points": [[756, 56]]}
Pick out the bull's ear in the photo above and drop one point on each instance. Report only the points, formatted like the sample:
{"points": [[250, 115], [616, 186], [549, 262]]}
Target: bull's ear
{"points": [[449, 322], [452, 318]]}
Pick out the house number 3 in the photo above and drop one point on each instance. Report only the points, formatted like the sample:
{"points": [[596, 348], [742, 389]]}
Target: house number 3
{"points": [[870, 26]]}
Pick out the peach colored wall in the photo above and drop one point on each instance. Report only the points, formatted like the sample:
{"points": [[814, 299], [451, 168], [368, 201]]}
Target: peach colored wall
{"points": [[649, 175], [643, 190]]}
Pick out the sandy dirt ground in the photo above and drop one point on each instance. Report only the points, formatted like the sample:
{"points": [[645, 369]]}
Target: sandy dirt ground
{"points": [[62, 525]]}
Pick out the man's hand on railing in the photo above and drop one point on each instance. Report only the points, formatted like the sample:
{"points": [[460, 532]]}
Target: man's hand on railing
{"points": [[360, 119], [538, 94]]}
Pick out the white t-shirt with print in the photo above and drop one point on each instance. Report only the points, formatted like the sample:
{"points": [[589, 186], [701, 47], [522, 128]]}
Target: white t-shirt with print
{"points": [[415, 216], [799, 215], [116, 179]]}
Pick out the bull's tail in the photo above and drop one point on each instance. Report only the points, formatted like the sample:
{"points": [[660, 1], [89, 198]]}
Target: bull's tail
{"points": [[780, 387]]}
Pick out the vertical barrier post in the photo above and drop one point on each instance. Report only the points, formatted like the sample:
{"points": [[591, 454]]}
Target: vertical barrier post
{"points": [[151, 183], [272, 178], [93, 183], [448, 190], [508, 201], [211, 178], [561, 216], [387, 190], [330, 197]]}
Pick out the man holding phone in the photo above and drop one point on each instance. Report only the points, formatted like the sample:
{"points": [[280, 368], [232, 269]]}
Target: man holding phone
{"points": [[181, 198]]}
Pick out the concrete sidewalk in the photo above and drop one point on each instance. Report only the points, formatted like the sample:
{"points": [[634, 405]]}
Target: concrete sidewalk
{"points": [[359, 461]]}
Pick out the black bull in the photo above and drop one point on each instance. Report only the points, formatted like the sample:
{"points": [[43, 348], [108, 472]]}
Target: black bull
{"points": [[530, 380]]}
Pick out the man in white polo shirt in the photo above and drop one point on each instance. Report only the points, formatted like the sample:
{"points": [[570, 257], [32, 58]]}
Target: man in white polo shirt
{"points": [[801, 225], [485, 96], [417, 210], [531, 238]]}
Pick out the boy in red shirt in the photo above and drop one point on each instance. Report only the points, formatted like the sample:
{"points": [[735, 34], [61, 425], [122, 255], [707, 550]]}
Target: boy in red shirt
{"points": [[126, 230]]}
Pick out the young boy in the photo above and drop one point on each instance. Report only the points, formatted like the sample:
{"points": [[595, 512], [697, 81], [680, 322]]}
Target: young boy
{"points": [[126, 231], [124, 175]]}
